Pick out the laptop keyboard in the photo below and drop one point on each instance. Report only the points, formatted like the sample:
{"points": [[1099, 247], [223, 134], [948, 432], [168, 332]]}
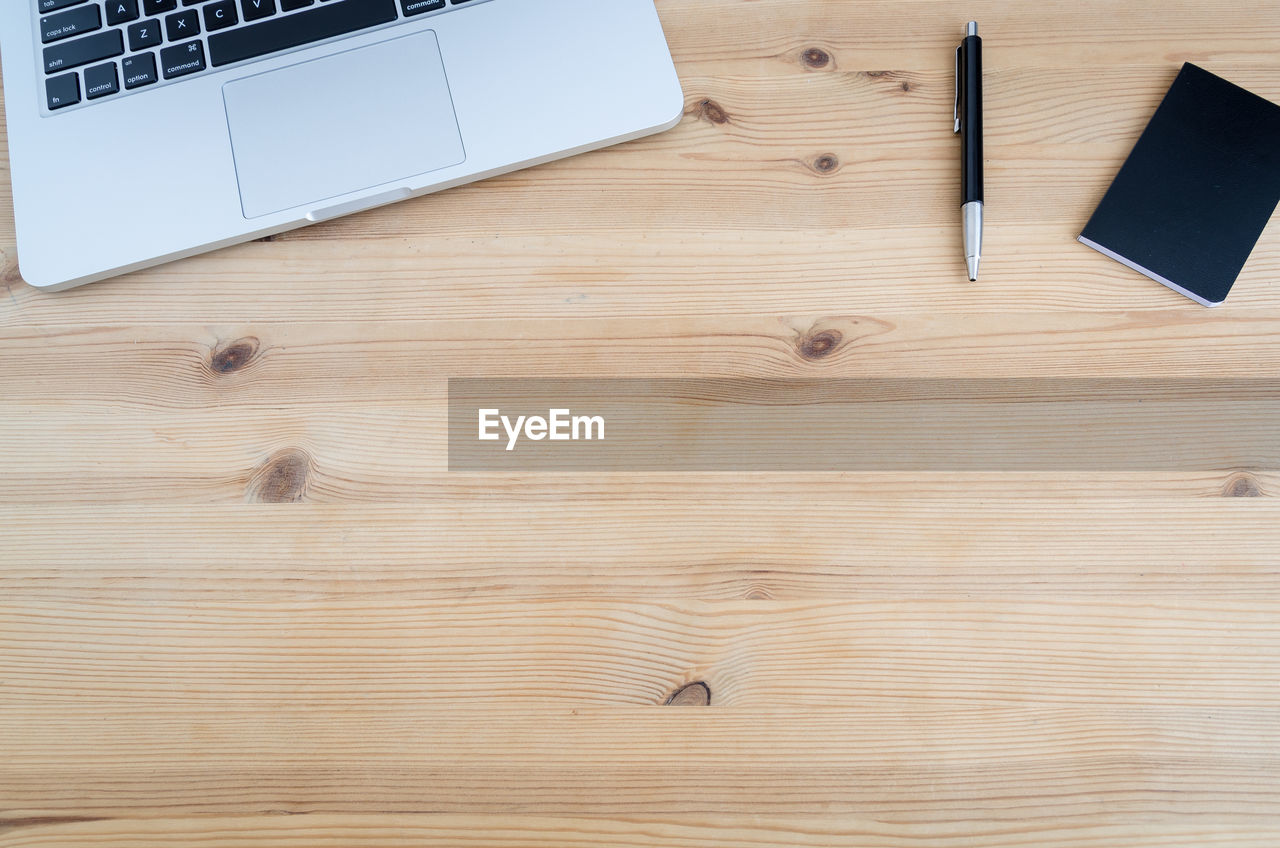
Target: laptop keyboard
{"points": [[92, 50]]}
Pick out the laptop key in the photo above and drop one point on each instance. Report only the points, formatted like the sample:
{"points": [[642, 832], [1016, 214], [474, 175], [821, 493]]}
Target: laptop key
{"points": [[158, 7], [101, 80], [139, 70], [220, 15], [54, 5], [144, 34], [294, 5], [271, 36], [183, 25], [69, 23], [182, 59], [417, 7], [255, 10], [92, 48], [62, 91], [121, 11]]}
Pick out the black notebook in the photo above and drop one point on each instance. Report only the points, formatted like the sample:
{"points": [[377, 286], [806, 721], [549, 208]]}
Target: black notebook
{"points": [[1189, 205]]}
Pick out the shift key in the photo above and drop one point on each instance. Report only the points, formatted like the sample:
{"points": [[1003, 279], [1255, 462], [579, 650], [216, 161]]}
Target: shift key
{"points": [[82, 51]]}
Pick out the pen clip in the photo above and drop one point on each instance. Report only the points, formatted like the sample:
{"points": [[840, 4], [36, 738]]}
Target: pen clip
{"points": [[957, 109]]}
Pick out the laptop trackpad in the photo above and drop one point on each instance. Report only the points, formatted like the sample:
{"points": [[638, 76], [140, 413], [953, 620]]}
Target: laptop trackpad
{"points": [[312, 132]]}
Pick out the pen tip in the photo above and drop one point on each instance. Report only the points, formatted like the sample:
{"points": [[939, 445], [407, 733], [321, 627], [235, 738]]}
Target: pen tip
{"points": [[973, 268]]}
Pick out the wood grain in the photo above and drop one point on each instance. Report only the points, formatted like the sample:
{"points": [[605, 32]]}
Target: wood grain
{"points": [[762, 538], [687, 831], [243, 602]]}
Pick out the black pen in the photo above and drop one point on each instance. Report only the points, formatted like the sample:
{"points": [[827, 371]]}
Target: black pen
{"points": [[969, 124]]}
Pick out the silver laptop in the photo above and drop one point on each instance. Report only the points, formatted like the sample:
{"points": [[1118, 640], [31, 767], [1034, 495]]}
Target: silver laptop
{"points": [[142, 131]]}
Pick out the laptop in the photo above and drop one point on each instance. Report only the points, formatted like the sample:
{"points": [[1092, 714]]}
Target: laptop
{"points": [[143, 131]]}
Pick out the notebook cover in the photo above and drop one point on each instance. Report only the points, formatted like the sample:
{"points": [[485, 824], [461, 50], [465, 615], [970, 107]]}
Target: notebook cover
{"points": [[1198, 189]]}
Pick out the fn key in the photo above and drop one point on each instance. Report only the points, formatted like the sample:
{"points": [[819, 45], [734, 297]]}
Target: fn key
{"points": [[62, 91]]}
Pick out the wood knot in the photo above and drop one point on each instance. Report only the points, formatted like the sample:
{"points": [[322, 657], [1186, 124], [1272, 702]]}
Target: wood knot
{"points": [[283, 478], [827, 163], [815, 57], [9, 270], [694, 695], [1242, 486], [713, 112], [904, 82], [231, 357], [817, 346]]}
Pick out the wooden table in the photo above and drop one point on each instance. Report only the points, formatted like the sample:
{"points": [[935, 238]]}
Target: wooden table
{"points": [[244, 602]]}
